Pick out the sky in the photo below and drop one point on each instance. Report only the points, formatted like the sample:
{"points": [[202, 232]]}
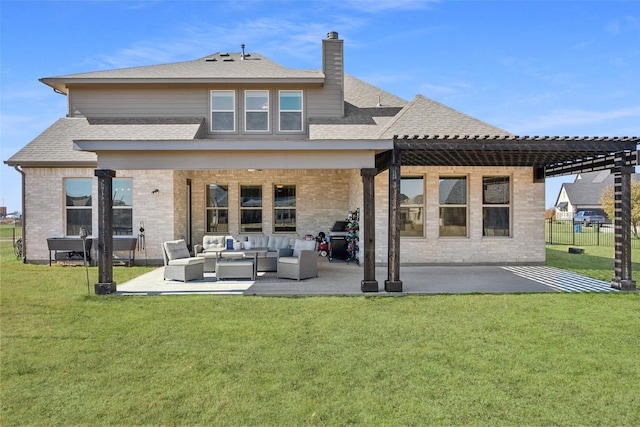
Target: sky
{"points": [[554, 68]]}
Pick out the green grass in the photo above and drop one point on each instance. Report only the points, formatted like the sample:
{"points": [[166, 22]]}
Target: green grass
{"points": [[71, 359], [9, 230]]}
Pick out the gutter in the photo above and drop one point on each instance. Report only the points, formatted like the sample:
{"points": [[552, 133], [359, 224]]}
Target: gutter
{"points": [[24, 215]]}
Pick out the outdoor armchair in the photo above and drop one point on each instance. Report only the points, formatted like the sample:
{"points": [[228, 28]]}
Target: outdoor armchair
{"points": [[303, 262], [179, 264]]}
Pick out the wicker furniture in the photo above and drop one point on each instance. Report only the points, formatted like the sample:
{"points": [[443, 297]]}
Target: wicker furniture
{"points": [[302, 264], [179, 264], [236, 268]]}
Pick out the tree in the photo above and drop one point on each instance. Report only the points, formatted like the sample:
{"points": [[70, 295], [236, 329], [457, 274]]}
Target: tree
{"points": [[607, 201]]}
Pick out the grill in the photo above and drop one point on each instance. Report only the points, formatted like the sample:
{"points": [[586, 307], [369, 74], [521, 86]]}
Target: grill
{"points": [[338, 240]]}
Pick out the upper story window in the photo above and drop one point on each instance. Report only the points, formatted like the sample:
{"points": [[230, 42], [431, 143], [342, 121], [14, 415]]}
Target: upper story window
{"points": [[77, 205], [290, 114], [223, 111], [256, 110]]}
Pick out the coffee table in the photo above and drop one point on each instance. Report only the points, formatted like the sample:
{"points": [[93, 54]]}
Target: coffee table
{"points": [[236, 268]]}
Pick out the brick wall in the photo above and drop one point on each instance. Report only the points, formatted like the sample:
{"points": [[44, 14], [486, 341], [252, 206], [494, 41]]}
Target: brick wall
{"points": [[526, 245], [323, 196]]}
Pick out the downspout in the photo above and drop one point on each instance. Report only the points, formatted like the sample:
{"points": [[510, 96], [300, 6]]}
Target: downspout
{"points": [[24, 215]]}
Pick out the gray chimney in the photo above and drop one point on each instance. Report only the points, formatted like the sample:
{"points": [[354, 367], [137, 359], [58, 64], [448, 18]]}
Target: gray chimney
{"points": [[333, 68]]}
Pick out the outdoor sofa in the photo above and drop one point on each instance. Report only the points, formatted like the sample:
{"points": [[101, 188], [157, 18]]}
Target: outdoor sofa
{"points": [[268, 247]]}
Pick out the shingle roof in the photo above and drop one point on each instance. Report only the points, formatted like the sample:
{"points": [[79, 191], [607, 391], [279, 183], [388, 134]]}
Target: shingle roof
{"points": [[363, 118], [587, 187], [54, 146], [424, 116], [218, 67]]}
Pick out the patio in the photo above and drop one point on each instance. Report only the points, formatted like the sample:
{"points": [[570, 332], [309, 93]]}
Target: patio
{"points": [[341, 278]]}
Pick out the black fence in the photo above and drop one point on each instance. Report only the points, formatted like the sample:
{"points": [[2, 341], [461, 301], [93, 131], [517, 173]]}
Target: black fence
{"points": [[567, 232]]}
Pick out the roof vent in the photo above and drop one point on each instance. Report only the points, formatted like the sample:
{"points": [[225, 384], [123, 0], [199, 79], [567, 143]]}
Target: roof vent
{"points": [[332, 35]]}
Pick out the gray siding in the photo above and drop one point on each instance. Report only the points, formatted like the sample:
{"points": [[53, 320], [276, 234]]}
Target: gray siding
{"points": [[139, 102], [193, 101], [329, 100]]}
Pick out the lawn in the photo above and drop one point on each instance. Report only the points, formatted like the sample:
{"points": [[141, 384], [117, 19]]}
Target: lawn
{"points": [[9, 230], [71, 359]]}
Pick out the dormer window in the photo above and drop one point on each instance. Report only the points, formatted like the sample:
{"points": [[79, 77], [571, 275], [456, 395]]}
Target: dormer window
{"points": [[223, 111], [256, 104], [290, 114]]}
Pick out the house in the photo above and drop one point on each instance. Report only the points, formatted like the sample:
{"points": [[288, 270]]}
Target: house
{"points": [[584, 193], [233, 143]]}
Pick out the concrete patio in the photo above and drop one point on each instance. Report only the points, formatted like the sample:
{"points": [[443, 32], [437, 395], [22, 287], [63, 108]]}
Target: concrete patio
{"points": [[341, 278]]}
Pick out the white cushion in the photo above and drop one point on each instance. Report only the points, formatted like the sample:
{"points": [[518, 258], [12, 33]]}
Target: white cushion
{"points": [[213, 242], [303, 245], [176, 249], [288, 260], [187, 261], [279, 242]]}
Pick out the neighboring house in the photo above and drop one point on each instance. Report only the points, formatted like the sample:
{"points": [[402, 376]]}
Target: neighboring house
{"points": [[234, 143], [584, 193]]}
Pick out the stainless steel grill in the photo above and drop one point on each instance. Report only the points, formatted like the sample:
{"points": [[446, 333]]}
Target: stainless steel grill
{"points": [[338, 240]]}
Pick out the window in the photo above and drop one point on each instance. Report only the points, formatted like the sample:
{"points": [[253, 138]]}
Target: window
{"points": [[250, 209], [291, 110], [217, 208], [453, 206], [256, 105], [496, 200], [284, 212], [122, 196], [411, 206], [223, 111], [78, 205]]}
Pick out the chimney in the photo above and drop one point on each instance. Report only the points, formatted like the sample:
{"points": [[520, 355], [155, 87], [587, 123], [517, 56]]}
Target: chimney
{"points": [[333, 68]]}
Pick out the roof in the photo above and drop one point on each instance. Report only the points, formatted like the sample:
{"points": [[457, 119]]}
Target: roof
{"points": [[373, 113], [367, 110], [54, 146], [372, 116], [424, 116], [587, 187], [214, 68]]}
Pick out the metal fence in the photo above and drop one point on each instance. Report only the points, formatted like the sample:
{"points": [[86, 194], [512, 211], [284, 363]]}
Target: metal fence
{"points": [[566, 232]]}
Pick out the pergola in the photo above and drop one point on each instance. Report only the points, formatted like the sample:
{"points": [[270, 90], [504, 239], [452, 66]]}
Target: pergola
{"points": [[548, 156]]}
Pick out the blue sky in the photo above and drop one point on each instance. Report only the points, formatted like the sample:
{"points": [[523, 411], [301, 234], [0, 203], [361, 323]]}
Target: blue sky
{"points": [[529, 67]]}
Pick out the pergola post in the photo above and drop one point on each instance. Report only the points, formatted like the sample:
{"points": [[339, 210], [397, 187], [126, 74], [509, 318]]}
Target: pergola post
{"points": [[105, 284], [393, 282], [369, 283], [622, 228]]}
